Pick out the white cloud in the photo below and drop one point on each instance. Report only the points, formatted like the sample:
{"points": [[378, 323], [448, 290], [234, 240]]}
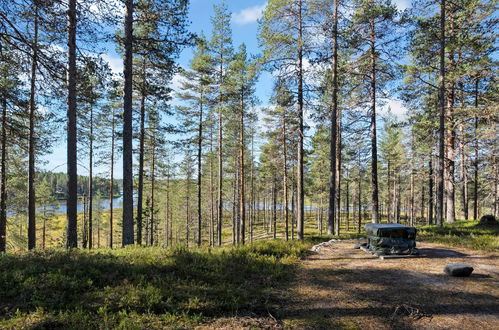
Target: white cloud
{"points": [[396, 107], [248, 15], [115, 63], [402, 4]]}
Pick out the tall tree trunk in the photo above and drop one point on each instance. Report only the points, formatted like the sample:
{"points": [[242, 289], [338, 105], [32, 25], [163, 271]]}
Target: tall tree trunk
{"points": [[85, 222], [111, 183], [3, 179], [153, 186], [412, 211], [220, 160], [90, 179], [441, 129], [212, 199], [31, 141], [462, 154], [301, 135], [388, 191], [72, 199], [338, 175], [374, 147], [430, 190], [274, 208], [187, 208], [475, 163], [167, 207], [359, 201], [334, 113], [450, 144], [200, 146], [142, 134], [285, 176], [252, 184], [128, 236], [348, 203], [242, 197]]}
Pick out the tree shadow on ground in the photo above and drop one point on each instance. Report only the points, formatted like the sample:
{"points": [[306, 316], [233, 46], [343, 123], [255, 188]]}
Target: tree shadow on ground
{"points": [[145, 281], [380, 292]]}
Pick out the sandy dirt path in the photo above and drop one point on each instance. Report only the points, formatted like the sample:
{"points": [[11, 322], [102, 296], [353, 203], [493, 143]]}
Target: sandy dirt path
{"points": [[339, 286]]}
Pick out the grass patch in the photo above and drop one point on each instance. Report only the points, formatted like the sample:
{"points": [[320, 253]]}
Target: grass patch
{"points": [[142, 287], [462, 234]]}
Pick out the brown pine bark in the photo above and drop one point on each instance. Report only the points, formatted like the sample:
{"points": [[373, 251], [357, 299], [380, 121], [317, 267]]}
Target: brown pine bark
{"points": [[374, 145], [242, 196], [90, 180], [140, 187], [111, 182], [334, 126], [128, 236], [72, 198], [31, 139], [476, 160], [200, 145], [441, 129], [300, 190], [3, 179]]}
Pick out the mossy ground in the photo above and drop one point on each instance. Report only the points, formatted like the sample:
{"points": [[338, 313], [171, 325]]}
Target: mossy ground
{"points": [[142, 287], [467, 234]]}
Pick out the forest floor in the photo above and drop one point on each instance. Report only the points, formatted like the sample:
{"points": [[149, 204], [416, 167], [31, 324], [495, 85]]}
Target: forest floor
{"points": [[341, 287], [271, 284]]}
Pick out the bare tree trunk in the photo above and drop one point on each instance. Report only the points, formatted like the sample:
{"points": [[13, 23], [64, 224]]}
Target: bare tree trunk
{"points": [[430, 191], [220, 164], [212, 200], [242, 197], [3, 179], [274, 208], [334, 125], [72, 199], [338, 176], [167, 207], [347, 203], [85, 223], [412, 211], [374, 147], [463, 168], [153, 186], [128, 236], [299, 176], [140, 188], [200, 144], [475, 163], [44, 227], [31, 141], [90, 179], [441, 129], [293, 219], [187, 207], [285, 176], [111, 183]]}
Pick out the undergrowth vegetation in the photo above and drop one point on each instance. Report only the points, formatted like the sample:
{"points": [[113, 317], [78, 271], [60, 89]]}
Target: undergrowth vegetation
{"points": [[462, 233], [142, 287]]}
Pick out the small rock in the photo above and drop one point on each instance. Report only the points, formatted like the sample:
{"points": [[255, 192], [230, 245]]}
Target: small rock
{"points": [[460, 270], [358, 246]]}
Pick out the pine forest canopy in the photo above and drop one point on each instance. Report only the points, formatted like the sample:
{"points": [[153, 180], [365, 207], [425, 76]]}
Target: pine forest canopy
{"points": [[210, 141]]}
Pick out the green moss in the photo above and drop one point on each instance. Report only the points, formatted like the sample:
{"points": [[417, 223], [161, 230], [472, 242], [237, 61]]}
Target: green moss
{"points": [[462, 233]]}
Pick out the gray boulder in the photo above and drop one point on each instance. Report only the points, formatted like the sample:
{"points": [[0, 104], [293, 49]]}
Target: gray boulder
{"points": [[460, 270]]}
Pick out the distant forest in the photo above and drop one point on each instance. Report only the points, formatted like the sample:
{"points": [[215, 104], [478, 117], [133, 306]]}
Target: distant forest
{"points": [[59, 185]]}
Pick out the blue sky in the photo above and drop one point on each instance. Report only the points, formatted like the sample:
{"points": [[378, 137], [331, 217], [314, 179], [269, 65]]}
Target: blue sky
{"points": [[244, 27]]}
